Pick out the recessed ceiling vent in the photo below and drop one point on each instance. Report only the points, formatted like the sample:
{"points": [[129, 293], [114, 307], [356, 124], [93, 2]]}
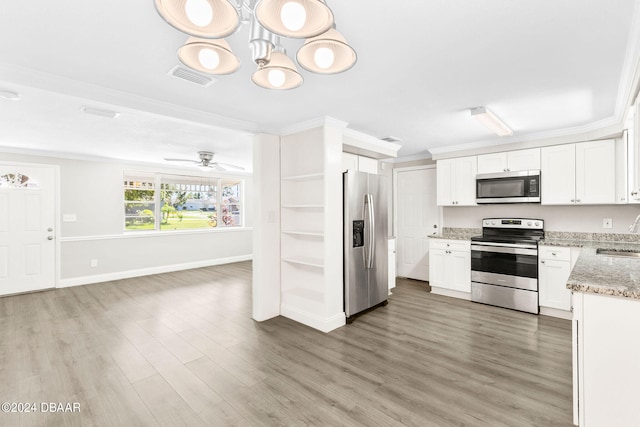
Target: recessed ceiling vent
{"points": [[391, 139], [191, 76]]}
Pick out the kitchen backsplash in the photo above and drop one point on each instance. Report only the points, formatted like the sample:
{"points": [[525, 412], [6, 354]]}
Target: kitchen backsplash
{"points": [[582, 219]]}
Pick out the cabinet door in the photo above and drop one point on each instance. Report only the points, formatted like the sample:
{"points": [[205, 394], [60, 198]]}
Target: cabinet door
{"points": [[523, 160], [558, 175], [596, 172], [552, 280], [366, 164], [464, 177], [437, 267], [349, 162], [458, 264], [492, 163], [444, 182]]}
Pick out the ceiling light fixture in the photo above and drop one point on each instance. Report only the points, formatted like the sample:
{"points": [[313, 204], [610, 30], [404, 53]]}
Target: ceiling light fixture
{"points": [[491, 121], [9, 95], [208, 21], [99, 112]]}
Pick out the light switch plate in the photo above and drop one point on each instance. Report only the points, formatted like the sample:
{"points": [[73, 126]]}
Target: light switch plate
{"points": [[607, 223]]}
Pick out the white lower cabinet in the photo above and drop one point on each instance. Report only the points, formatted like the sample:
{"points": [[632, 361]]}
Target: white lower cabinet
{"points": [[606, 351], [450, 267], [554, 267]]}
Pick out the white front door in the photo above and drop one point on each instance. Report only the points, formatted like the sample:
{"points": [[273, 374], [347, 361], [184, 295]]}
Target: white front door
{"points": [[417, 216], [27, 228]]}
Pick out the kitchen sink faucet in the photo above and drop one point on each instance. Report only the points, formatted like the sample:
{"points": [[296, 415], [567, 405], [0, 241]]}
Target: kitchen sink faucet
{"points": [[633, 228]]}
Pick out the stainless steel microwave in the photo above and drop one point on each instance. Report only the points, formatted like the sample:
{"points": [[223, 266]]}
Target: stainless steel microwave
{"points": [[508, 187]]}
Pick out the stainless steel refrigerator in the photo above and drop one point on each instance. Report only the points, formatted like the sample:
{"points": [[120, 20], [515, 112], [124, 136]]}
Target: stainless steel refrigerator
{"points": [[366, 281]]}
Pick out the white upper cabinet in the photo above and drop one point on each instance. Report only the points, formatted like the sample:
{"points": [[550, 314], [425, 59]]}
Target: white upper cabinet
{"points": [[359, 163], [582, 173], [518, 160], [456, 181], [596, 172], [558, 175]]}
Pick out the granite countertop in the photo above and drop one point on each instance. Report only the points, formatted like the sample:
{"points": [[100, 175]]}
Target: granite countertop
{"points": [[606, 275], [457, 233], [601, 274]]}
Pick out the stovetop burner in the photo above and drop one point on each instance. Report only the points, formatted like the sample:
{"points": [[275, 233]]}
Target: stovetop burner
{"points": [[511, 231]]}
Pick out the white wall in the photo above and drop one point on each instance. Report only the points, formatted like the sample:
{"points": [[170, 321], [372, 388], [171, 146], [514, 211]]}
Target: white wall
{"points": [[93, 191], [557, 218]]}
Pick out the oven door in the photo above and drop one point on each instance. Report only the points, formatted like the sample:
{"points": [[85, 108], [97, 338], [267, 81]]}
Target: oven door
{"points": [[512, 266]]}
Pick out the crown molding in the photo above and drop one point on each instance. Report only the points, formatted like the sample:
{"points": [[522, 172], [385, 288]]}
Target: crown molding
{"points": [[413, 158], [308, 125], [156, 167], [606, 128], [14, 75]]}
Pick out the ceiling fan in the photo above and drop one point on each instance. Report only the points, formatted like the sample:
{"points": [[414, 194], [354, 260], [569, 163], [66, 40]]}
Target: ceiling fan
{"points": [[205, 162]]}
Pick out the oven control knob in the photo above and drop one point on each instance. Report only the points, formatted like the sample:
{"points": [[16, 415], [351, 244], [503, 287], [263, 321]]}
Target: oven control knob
{"points": [[529, 223], [537, 223], [493, 223]]}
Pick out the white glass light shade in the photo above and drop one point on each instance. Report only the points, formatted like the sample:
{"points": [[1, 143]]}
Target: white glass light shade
{"points": [[203, 54], [210, 19], [279, 74], [327, 53], [284, 17]]}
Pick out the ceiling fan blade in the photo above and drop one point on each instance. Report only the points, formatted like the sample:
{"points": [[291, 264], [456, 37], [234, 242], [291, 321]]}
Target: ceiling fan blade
{"points": [[225, 166], [182, 160]]}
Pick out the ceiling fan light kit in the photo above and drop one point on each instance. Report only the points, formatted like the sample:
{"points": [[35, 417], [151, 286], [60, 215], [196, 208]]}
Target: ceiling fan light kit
{"points": [[208, 56], [200, 18], [208, 21]]}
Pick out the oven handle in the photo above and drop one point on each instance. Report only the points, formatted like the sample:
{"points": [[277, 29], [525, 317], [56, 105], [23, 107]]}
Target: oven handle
{"points": [[506, 245], [504, 250]]}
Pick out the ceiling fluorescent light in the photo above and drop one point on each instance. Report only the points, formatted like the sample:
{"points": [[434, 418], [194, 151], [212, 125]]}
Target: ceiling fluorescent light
{"points": [[100, 112], [491, 121], [10, 95]]}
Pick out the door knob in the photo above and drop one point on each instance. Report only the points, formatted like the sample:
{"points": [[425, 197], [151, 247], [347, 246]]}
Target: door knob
{"points": [[49, 237]]}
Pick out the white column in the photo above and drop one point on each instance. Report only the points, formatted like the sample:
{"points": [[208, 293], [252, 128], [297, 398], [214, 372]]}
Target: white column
{"points": [[266, 228]]}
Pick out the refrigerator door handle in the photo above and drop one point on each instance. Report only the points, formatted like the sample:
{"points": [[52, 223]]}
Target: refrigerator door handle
{"points": [[371, 225]]}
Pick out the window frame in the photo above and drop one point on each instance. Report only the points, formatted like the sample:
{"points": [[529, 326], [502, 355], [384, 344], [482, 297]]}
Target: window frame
{"points": [[216, 181]]}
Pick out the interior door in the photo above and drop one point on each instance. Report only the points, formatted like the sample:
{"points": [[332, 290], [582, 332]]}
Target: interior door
{"points": [[27, 228], [417, 218]]}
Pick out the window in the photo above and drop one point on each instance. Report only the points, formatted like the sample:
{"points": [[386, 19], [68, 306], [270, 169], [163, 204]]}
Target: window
{"points": [[139, 202], [183, 202]]}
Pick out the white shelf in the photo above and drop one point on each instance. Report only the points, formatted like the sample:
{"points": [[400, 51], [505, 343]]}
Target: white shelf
{"points": [[304, 233], [312, 262], [305, 177], [303, 206]]}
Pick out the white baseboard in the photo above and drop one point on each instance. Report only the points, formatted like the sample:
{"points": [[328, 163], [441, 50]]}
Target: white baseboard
{"points": [[313, 321], [554, 312], [451, 293], [99, 278]]}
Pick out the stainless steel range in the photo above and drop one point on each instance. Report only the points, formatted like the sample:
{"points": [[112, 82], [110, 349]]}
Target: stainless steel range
{"points": [[504, 263]]}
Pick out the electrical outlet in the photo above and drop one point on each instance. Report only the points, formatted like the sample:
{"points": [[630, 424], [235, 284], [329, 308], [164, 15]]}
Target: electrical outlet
{"points": [[607, 223], [94, 263]]}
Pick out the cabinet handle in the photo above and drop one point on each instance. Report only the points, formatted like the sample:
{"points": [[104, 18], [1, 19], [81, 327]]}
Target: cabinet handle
{"points": [[634, 193], [573, 200], [553, 253], [541, 261], [577, 200]]}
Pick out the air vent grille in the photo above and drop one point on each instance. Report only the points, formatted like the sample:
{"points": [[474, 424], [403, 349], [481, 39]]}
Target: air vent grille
{"points": [[391, 139], [191, 76]]}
